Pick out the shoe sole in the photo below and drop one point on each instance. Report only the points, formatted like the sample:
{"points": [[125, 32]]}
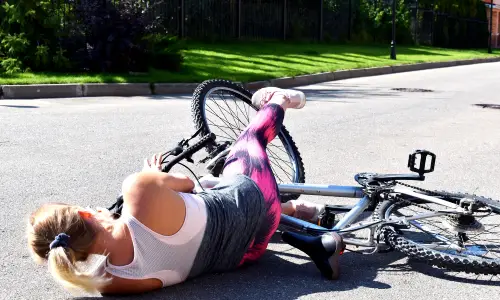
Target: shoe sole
{"points": [[334, 259]]}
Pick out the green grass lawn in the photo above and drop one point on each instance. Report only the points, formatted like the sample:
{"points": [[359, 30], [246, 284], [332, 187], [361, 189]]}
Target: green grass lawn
{"points": [[253, 61]]}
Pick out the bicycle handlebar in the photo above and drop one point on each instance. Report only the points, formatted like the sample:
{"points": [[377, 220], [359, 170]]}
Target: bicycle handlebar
{"points": [[190, 151]]}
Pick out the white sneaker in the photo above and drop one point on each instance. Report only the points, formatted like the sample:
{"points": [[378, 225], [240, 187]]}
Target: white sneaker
{"points": [[297, 99]]}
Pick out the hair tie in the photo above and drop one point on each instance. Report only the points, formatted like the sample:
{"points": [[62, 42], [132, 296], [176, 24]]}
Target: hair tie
{"points": [[61, 240]]}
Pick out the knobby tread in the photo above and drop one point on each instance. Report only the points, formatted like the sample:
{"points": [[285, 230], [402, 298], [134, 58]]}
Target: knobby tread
{"points": [[432, 257], [197, 104]]}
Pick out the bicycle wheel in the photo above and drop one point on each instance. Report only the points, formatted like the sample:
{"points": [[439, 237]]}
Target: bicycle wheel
{"points": [[457, 242], [225, 108]]}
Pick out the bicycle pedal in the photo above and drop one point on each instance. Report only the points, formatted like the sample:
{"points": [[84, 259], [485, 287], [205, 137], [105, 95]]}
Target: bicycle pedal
{"points": [[326, 219]]}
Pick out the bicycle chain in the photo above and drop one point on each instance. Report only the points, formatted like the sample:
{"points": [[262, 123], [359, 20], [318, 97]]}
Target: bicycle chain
{"points": [[434, 193]]}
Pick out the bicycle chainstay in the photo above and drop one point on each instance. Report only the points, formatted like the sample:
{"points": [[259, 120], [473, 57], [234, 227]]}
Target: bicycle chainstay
{"points": [[433, 193]]}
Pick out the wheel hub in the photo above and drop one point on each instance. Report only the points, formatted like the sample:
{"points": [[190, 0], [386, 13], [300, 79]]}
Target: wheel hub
{"points": [[463, 224]]}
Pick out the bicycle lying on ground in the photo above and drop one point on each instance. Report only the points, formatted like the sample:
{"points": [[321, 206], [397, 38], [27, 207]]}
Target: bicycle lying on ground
{"points": [[446, 230]]}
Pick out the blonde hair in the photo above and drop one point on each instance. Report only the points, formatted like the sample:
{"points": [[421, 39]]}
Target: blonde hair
{"points": [[44, 225]]}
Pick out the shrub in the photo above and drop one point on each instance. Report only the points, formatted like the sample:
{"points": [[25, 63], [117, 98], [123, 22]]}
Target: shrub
{"points": [[84, 35], [373, 22], [10, 65], [164, 51]]}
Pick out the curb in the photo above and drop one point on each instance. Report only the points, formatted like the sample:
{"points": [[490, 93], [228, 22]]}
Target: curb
{"points": [[147, 89]]}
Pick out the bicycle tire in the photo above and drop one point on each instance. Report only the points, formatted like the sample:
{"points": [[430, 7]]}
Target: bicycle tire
{"points": [[468, 264], [239, 92]]}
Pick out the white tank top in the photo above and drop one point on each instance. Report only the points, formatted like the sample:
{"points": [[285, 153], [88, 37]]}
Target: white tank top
{"points": [[167, 258]]}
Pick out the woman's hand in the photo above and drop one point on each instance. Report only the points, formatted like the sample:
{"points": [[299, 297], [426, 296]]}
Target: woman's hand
{"points": [[154, 164]]}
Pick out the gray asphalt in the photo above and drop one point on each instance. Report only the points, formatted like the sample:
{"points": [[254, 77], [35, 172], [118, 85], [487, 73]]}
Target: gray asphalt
{"points": [[79, 151]]}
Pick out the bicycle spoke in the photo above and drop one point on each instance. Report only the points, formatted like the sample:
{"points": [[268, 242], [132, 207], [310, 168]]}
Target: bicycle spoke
{"points": [[276, 156], [229, 119], [242, 111], [274, 172], [217, 115], [232, 113], [279, 148], [222, 109], [432, 228], [280, 166], [228, 135], [228, 124], [282, 170], [220, 126]]}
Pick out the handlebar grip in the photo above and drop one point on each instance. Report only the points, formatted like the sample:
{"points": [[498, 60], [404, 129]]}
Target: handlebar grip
{"points": [[190, 151]]}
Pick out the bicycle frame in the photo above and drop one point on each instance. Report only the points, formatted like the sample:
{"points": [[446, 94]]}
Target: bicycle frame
{"points": [[353, 192], [359, 192]]}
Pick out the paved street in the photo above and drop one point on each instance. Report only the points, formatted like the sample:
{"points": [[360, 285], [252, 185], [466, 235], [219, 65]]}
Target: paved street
{"points": [[79, 151]]}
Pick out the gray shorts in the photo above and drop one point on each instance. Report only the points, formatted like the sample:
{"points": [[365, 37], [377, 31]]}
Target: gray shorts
{"points": [[235, 210]]}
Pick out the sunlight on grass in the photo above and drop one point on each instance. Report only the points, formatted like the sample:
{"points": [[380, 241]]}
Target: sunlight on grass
{"points": [[264, 60]]}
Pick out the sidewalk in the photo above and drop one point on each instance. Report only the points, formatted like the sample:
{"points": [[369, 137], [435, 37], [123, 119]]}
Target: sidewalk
{"points": [[146, 89]]}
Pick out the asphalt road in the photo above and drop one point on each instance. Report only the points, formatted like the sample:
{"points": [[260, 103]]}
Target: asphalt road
{"points": [[79, 151]]}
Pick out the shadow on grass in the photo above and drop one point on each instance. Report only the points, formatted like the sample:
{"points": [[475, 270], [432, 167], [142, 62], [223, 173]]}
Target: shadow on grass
{"points": [[248, 61], [311, 50]]}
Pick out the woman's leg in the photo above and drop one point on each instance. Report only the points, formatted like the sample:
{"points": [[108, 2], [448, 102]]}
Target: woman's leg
{"points": [[248, 156]]}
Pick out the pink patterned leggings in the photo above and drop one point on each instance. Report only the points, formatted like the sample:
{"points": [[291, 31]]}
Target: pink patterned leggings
{"points": [[248, 156]]}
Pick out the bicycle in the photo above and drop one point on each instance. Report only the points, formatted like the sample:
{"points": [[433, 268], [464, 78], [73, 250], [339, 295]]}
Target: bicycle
{"points": [[383, 195]]}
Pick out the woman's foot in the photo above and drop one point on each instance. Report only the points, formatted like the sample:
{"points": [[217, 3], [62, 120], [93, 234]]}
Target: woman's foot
{"points": [[304, 210], [284, 97]]}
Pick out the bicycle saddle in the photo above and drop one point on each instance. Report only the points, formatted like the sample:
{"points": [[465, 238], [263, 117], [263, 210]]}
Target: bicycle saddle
{"points": [[323, 250]]}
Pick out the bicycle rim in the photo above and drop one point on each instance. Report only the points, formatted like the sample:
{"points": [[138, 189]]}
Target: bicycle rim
{"points": [[459, 235]]}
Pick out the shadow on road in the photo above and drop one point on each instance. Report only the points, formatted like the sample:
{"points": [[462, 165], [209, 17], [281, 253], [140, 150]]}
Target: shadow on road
{"points": [[325, 95], [277, 277], [284, 275], [492, 106], [421, 267], [20, 106], [329, 95]]}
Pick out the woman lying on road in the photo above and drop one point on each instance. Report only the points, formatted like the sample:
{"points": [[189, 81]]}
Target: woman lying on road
{"points": [[166, 234]]}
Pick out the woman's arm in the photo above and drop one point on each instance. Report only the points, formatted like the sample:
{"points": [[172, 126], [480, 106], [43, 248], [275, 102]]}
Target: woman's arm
{"points": [[175, 181]]}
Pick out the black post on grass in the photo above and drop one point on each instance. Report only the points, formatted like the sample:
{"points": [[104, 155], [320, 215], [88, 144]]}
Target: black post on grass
{"points": [[320, 20], [433, 21], [181, 18], [491, 26], [393, 42], [349, 20], [239, 19], [416, 22], [284, 19]]}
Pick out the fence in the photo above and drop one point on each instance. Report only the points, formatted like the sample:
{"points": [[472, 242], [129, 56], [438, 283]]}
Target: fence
{"points": [[440, 29], [253, 19], [330, 20]]}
